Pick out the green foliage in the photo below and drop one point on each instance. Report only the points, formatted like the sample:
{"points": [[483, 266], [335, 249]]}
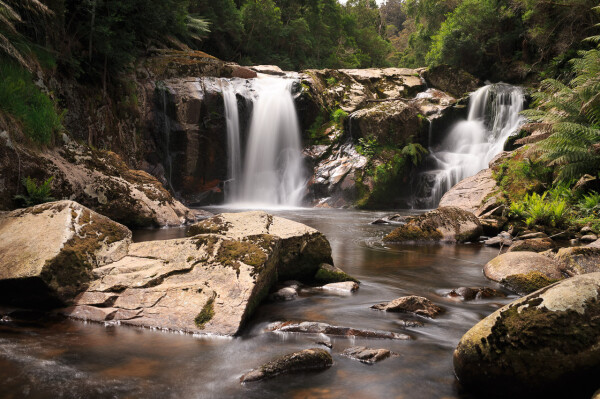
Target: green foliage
{"points": [[339, 116], [22, 99], [537, 209], [332, 81], [36, 194], [414, 152], [519, 176], [368, 146], [589, 205]]}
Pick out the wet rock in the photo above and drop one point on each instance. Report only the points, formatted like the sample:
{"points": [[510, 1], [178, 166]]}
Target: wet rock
{"points": [[268, 70], [578, 260], [512, 263], [532, 245], [529, 236], [346, 287], [411, 304], [391, 121], [469, 293], [380, 221], [48, 252], [332, 274], [451, 80], [303, 248], [524, 284], [503, 239], [492, 227], [306, 360], [409, 323], [470, 193], [308, 327], [284, 294], [208, 283], [508, 352], [366, 355], [443, 224]]}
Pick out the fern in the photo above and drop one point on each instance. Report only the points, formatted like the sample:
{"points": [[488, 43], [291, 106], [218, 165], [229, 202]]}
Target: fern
{"points": [[36, 194]]}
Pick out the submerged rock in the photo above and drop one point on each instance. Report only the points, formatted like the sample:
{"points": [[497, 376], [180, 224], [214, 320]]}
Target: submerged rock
{"points": [[443, 224], [308, 327], [284, 294], [346, 287], [366, 355], [306, 360], [536, 343], [469, 293], [48, 252], [411, 304]]}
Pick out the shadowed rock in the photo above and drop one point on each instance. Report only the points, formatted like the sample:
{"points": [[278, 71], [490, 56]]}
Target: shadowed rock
{"points": [[411, 304], [469, 293], [306, 360], [366, 355]]}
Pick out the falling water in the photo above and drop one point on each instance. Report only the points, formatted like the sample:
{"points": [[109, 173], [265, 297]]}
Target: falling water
{"points": [[494, 115], [273, 170], [234, 159]]}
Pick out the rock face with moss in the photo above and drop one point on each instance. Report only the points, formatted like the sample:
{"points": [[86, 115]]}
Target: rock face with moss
{"points": [[574, 261], [536, 343], [210, 282], [448, 224], [48, 252], [522, 263]]}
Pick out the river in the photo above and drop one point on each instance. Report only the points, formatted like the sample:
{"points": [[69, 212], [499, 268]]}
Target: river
{"points": [[65, 359]]}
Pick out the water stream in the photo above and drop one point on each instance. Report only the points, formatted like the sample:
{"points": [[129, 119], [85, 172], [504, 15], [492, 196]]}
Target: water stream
{"points": [[494, 115], [72, 359]]}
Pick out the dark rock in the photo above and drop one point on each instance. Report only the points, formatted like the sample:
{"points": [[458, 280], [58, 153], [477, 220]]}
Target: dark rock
{"points": [[586, 184], [380, 221], [451, 80], [306, 360], [536, 343], [332, 274], [574, 261], [524, 284], [411, 304], [532, 245], [528, 236], [366, 355], [443, 224], [469, 294], [308, 327], [284, 294]]}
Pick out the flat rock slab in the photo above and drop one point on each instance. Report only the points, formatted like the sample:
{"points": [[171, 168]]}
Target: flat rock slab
{"points": [[306, 360], [411, 304], [532, 245], [469, 193], [308, 327]]}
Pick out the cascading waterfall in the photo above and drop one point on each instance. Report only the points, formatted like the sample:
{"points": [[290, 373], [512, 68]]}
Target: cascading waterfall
{"points": [[273, 172], [234, 158], [494, 115]]}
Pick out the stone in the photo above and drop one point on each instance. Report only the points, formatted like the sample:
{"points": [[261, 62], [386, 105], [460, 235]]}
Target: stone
{"points": [[501, 240], [48, 252], [308, 327], [595, 244], [409, 323], [470, 293], [284, 294], [346, 287], [586, 230], [450, 79], [588, 238], [390, 121], [492, 227], [303, 248], [532, 245], [411, 304], [366, 355], [586, 184], [332, 274], [305, 360], [209, 283], [534, 344], [447, 224], [574, 261], [512, 263], [526, 283], [268, 70], [529, 236], [469, 194]]}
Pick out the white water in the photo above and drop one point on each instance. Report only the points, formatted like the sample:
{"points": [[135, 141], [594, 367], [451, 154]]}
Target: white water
{"points": [[234, 158], [272, 174], [494, 115]]}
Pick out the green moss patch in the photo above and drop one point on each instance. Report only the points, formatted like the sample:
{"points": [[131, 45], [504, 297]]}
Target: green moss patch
{"points": [[331, 274], [214, 225], [411, 232], [206, 314], [527, 283]]}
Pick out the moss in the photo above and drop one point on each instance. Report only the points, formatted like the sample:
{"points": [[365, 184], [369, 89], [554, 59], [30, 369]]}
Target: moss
{"points": [[232, 251], [527, 283], [208, 242], [207, 312], [411, 232], [214, 225], [331, 274]]}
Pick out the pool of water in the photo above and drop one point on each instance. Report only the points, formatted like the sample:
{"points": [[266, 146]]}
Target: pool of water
{"points": [[64, 359]]}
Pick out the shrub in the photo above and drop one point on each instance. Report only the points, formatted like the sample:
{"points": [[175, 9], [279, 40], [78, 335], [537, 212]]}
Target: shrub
{"points": [[368, 146], [537, 209], [339, 115], [36, 194]]}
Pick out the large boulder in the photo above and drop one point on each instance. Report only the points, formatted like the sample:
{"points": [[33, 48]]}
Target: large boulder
{"points": [[448, 224], [48, 252], [579, 260], [303, 249], [210, 282], [536, 343], [523, 272], [469, 194], [532, 245], [450, 79], [387, 122]]}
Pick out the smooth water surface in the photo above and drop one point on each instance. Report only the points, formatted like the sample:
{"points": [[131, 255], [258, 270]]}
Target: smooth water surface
{"points": [[73, 359]]}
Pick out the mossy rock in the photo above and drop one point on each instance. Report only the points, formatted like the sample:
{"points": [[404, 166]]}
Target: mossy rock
{"points": [[306, 360], [332, 274], [524, 284]]}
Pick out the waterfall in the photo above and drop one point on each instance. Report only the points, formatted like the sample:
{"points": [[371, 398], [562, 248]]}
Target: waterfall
{"points": [[494, 115], [273, 172], [234, 152]]}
